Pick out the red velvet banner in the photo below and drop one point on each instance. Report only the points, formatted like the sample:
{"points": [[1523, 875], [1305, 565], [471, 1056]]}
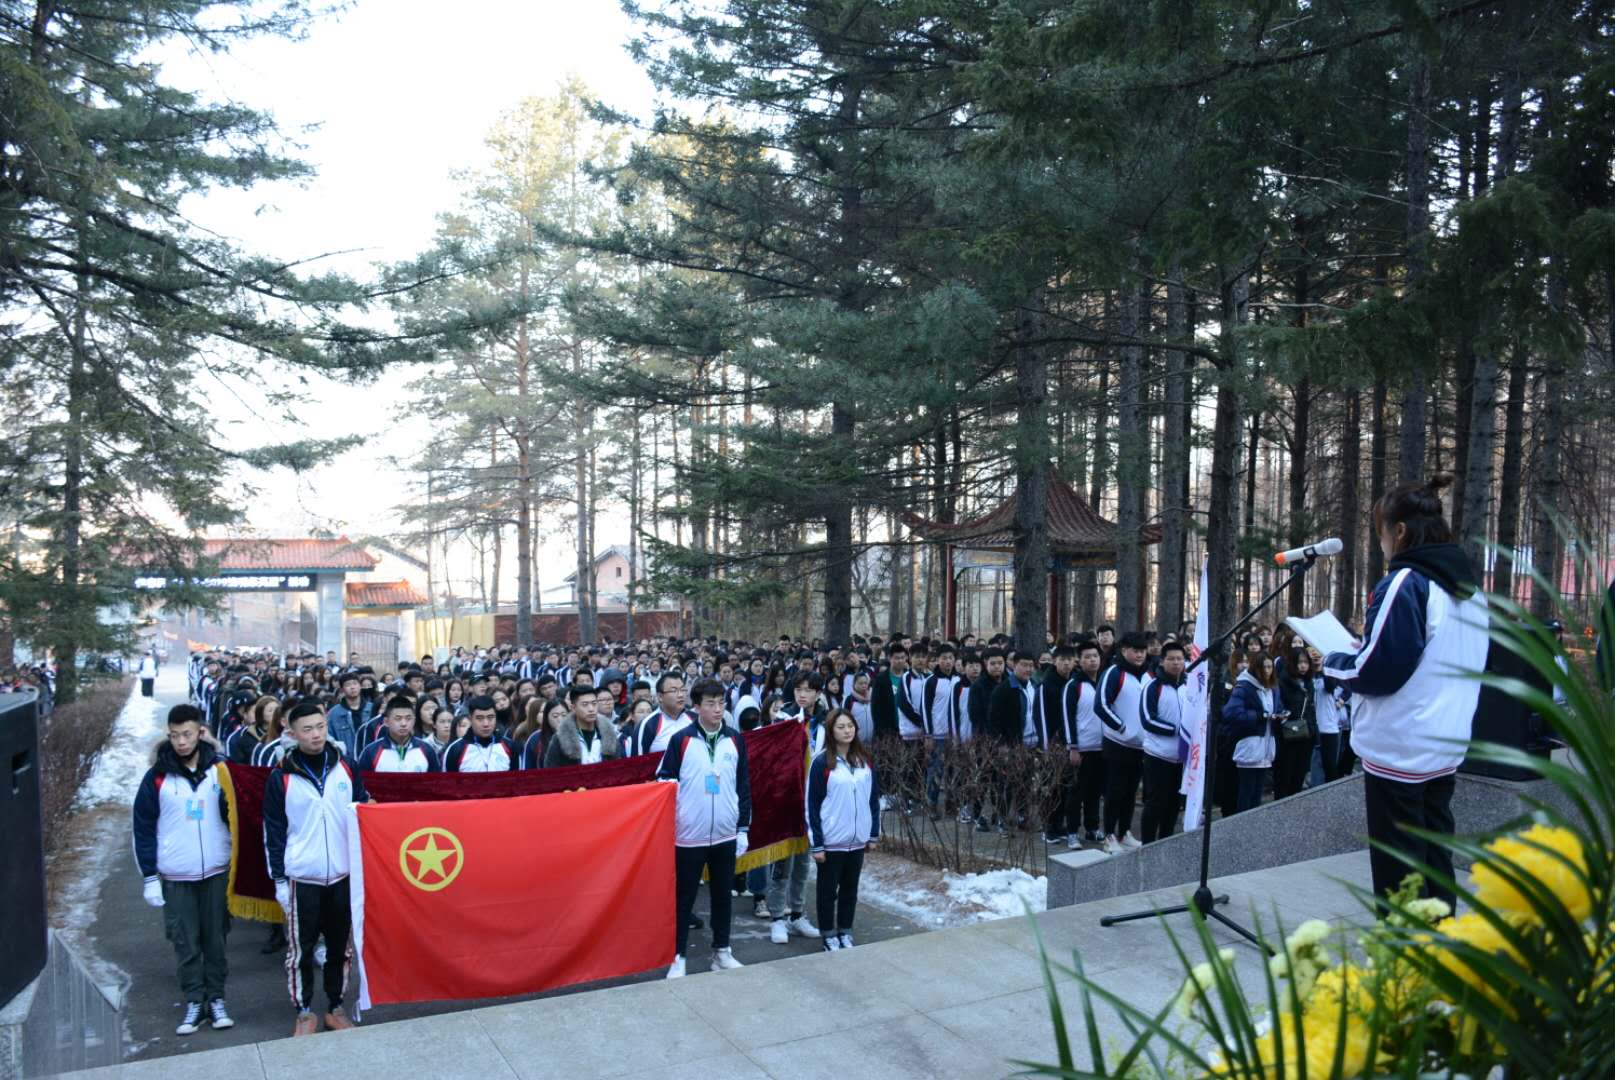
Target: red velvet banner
{"points": [[776, 756]]}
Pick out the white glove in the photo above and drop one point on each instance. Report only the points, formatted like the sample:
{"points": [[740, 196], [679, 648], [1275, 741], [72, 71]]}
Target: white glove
{"points": [[153, 892], [741, 843], [283, 895]]}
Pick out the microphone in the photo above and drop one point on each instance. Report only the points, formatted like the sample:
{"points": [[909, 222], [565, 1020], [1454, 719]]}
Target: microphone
{"points": [[1331, 546]]}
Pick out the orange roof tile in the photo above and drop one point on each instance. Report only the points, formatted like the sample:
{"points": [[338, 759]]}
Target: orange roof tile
{"points": [[382, 594], [302, 554]]}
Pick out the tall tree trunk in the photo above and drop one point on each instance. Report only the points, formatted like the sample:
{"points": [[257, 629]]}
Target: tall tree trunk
{"points": [[1132, 464], [1222, 521], [1378, 467], [580, 480], [1508, 500], [1032, 465], [633, 527], [79, 394], [524, 473], [1466, 360], [1087, 582], [838, 540], [1245, 576], [1174, 456], [1351, 464], [1477, 496], [1547, 483], [1416, 241], [894, 576], [1300, 439]]}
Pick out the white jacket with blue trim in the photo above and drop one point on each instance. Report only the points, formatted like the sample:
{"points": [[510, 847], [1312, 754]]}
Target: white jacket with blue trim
{"points": [[710, 811], [1413, 682], [842, 806]]}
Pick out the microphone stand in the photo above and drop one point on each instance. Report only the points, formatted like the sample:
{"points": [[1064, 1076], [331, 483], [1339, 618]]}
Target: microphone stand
{"points": [[1203, 901]]}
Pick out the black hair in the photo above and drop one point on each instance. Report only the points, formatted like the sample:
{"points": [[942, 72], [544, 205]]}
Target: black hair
{"points": [[661, 680], [1086, 644], [302, 709], [184, 714], [1417, 506], [481, 703], [398, 701], [1133, 640], [704, 689], [1065, 650], [1173, 646], [992, 651], [575, 691], [808, 679]]}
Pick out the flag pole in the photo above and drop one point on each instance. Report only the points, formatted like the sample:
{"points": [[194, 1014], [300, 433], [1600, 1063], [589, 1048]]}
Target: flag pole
{"points": [[1203, 901]]}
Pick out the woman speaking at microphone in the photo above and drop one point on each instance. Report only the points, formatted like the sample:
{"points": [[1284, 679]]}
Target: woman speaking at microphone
{"points": [[1413, 681]]}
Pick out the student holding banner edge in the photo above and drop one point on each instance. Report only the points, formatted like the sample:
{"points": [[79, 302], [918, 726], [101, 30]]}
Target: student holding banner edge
{"points": [[707, 759]]}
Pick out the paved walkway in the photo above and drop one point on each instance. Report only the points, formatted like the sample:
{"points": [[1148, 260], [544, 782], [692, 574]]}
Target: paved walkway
{"points": [[958, 1003]]}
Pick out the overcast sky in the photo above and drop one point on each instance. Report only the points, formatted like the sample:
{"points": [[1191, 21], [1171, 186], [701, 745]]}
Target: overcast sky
{"points": [[387, 100]]}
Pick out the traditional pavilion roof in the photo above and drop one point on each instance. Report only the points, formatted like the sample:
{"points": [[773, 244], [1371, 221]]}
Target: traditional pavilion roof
{"points": [[248, 555], [382, 594], [1075, 528]]}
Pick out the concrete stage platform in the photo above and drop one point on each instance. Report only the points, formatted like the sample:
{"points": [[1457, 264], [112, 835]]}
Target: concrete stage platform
{"points": [[958, 1003]]}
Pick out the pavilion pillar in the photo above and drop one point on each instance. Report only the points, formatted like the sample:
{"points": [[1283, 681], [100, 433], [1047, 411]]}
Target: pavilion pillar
{"points": [[1055, 626], [331, 616], [950, 600]]}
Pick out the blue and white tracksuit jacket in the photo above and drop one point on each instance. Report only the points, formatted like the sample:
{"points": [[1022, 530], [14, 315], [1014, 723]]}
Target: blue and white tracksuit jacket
{"points": [[714, 798], [472, 754], [181, 818], [843, 805], [1119, 706], [306, 817], [1080, 716], [415, 756], [1412, 683], [1162, 719]]}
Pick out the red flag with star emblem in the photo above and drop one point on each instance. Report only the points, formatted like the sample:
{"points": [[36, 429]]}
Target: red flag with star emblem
{"points": [[493, 897]]}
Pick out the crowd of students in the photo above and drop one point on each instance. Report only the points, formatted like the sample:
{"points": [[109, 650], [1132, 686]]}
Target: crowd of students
{"points": [[1109, 708]]}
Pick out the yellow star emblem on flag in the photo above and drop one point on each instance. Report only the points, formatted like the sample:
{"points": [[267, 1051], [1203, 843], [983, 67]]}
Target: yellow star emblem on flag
{"points": [[429, 864]]}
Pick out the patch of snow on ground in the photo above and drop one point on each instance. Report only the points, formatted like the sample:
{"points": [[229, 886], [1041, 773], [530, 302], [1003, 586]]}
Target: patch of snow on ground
{"points": [[936, 899], [127, 754]]}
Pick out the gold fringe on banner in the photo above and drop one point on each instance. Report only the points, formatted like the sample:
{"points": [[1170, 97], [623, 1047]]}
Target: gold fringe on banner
{"points": [[244, 907]]}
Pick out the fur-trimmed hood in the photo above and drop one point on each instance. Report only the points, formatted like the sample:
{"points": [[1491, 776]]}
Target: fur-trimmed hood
{"points": [[570, 740]]}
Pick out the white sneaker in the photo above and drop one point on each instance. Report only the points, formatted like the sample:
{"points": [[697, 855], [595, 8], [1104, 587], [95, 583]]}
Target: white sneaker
{"points": [[1131, 842], [319, 954], [675, 970], [724, 960], [846, 940], [801, 927], [832, 943], [1073, 841], [777, 932], [885, 803], [1111, 846]]}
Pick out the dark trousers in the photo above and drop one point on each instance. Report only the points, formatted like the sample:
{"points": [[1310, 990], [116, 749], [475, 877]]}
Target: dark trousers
{"points": [[1329, 755], [1161, 782], [1392, 805], [1087, 793], [838, 890], [317, 910], [1347, 759], [1225, 785], [197, 920], [719, 862], [1290, 766], [1124, 765], [146, 686], [1251, 784]]}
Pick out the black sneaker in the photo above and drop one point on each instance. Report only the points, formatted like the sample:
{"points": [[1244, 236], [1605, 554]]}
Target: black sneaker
{"points": [[192, 1019], [218, 1015]]}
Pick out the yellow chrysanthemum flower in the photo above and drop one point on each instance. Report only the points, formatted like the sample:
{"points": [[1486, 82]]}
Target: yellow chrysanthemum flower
{"points": [[1525, 854], [1472, 929]]}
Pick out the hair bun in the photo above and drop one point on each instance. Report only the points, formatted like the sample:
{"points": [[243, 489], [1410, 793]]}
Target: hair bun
{"points": [[1439, 482]]}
